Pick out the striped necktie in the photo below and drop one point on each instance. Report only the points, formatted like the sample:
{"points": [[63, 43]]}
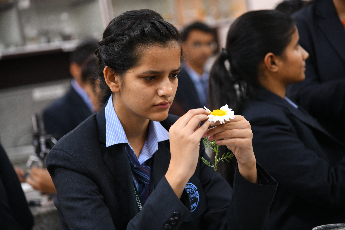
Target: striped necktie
{"points": [[141, 173]]}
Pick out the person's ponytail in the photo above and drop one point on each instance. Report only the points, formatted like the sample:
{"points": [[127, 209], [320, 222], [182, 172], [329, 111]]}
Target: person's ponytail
{"points": [[221, 83]]}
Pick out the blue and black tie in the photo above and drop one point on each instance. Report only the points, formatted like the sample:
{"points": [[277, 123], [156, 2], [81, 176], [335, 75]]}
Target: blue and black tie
{"points": [[141, 173]]}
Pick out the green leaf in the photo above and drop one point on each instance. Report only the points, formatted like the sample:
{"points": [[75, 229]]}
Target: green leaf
{"points": [[215, 148]]}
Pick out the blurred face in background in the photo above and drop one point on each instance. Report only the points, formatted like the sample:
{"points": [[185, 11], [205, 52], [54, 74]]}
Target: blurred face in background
{"points": [[93, 90], [198, 48]]}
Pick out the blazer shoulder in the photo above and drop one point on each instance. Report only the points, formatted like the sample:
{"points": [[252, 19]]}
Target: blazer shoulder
{"points": [[83, 136], [261, 109], [60, 104]]}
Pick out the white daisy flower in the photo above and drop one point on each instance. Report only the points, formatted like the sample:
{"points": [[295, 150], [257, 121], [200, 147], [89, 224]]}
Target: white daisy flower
{"points": [[223, 114]]}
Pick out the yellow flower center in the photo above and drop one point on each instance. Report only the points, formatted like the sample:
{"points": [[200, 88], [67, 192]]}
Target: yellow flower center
{"points": [[218, 112]]}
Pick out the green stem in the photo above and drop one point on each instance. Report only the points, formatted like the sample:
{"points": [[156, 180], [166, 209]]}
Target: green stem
{"points": [[215, 148]]}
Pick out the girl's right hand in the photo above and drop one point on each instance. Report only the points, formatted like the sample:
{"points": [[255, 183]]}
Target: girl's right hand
{"points": [[185, 136]]}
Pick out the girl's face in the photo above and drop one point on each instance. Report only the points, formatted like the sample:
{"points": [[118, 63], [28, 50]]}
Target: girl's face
{"points": [[293, 61], [147, 90]]}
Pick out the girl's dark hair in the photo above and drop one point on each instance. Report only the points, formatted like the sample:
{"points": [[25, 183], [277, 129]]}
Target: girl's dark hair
{"points": [[120, 48], [250, 38], [291, 6]]}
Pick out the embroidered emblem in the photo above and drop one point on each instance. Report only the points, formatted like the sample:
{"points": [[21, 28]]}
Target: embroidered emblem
{"points": [[193, 194]]}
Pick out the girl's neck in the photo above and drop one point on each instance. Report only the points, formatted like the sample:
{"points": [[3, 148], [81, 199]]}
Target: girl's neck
{"points": [[340, 8], [136, 130], [273, 84]]}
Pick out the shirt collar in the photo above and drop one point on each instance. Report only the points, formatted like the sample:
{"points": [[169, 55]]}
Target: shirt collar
{"points": [[291, 103], [194, 75], [82, 93], [115, 134]]}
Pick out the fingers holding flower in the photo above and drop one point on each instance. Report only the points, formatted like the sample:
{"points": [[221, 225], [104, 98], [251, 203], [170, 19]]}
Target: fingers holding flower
{"points": [[236, 134], [184, 137]]}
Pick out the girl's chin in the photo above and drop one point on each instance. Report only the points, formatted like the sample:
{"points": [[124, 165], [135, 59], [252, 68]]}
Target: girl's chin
{"points": [[160, 117]]}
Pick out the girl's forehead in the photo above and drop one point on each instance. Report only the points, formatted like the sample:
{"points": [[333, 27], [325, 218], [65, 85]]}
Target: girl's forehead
{"points": [[149, 47], [164, 51]]}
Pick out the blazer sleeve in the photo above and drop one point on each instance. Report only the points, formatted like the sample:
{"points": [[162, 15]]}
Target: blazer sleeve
{"points": [[299, 170], [249, 203], [70, 178], [247, 209]]}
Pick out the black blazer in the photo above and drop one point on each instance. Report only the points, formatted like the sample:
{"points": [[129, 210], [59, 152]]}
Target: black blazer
{"points": [[308, 163], [322, 93], [14, 210], [186, 97], [65, 114], [95, 189]]}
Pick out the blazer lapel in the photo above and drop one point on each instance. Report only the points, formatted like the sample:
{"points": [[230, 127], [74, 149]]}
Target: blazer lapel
{"points": [[116, 159], [161, 160], [299, 113], [334, 32]]}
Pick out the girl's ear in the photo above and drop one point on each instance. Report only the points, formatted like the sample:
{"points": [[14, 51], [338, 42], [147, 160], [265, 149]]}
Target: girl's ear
{"points": [[112, 80], [271, 62]]}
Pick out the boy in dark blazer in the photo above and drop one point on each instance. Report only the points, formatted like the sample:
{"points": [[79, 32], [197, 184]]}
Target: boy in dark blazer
{"points": [[69, 111], [198, 43]]}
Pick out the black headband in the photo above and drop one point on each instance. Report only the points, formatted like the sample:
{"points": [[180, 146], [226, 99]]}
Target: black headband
{"points": [[224, 54]]}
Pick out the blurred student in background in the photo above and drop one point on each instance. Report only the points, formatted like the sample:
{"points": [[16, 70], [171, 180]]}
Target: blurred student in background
{"points": [[307, 162], [14, 210], [89, 70], [39, 178], [322, 34], [198, 45], [75, 106]]}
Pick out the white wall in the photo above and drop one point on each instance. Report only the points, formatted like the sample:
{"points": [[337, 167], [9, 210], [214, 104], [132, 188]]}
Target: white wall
{"points": [[262, 4]]}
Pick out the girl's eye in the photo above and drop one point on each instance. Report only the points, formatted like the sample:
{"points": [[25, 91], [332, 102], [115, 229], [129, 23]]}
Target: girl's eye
{"points": [[174, 75], [150, 78]]}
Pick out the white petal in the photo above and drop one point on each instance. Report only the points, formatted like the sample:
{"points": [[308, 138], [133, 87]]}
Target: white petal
{"points": [[207, 109]]}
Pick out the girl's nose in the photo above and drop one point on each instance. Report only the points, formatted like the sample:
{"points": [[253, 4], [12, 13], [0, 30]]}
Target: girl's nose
{"points": [[166, 88], [305, 54]]}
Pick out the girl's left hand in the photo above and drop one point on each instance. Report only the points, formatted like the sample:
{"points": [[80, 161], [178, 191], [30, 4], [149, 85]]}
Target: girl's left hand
{"points": [[237, 135]]}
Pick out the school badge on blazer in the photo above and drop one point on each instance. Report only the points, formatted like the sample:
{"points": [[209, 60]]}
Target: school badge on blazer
{"points": [[193, 194]]}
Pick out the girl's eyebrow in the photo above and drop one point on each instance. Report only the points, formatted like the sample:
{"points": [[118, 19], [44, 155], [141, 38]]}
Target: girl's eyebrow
{"points": [[158, 72], [178, 69]]}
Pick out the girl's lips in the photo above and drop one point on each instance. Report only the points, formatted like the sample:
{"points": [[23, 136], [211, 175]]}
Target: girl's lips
{"points": [[163, 105]]}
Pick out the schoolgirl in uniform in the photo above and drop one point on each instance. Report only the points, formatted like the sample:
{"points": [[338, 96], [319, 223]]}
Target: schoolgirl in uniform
{"points": [[131, 166], [308, 163]]}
